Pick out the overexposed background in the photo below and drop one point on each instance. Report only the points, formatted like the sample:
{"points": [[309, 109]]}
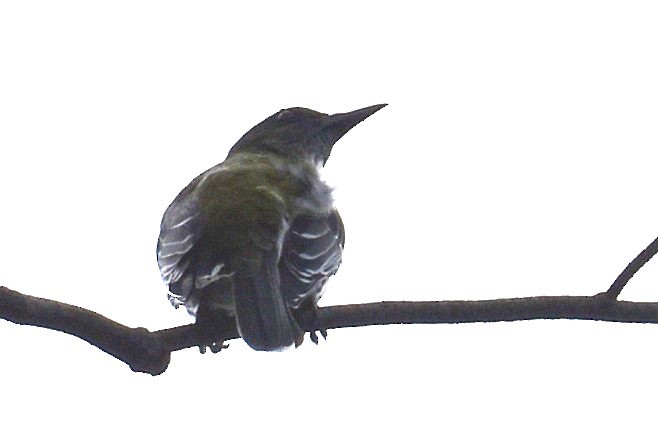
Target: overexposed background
{"points": [[517, 157]]}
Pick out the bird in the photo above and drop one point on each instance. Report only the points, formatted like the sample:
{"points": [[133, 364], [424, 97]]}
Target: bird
{"points": [[253, 240]]}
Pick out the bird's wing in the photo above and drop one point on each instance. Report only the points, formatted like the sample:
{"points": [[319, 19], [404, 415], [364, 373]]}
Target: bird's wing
{"points": [[180, 230], [311, 253]]}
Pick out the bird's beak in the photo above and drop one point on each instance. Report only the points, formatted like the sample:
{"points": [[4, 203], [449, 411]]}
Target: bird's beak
{"points": [[337, 125]]}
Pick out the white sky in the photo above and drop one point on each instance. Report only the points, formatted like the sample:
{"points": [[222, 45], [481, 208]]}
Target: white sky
{"points": [[517, 157]]}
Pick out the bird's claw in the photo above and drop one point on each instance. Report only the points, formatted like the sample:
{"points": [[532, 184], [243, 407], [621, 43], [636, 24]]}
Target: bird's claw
{"points": [[307, 318], [215, 347]]}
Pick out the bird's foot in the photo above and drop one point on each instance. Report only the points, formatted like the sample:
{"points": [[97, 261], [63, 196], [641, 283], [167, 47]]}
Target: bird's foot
{"points": [[308, 320], [209, 320], [215, 347]]}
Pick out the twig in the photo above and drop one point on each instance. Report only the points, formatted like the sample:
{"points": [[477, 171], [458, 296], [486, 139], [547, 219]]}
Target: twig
{"points": [[630, 270]]}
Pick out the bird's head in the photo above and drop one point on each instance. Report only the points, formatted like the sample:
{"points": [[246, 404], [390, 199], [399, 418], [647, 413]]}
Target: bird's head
{"points": [[301, 133]]}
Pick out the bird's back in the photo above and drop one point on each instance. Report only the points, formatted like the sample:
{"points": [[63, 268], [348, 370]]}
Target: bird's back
{"points": [[256, 237]]}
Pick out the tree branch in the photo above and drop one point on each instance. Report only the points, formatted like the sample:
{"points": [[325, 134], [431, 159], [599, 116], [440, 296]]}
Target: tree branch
{"points": [[150, 352], [142, 350]]}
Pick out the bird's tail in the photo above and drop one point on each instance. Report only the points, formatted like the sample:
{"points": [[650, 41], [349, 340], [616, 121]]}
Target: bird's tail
{"points": [[264, 321]]}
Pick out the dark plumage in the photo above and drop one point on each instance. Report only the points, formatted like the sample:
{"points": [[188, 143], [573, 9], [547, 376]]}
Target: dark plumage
{"points": [[255, 238]]}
